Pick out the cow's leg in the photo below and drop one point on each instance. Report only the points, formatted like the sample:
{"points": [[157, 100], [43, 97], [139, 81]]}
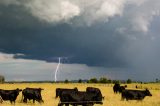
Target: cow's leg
{"points": [[122, 98], [1, 100], [33, 100], [41, 101], [74, 104], [67, 104], [60, 104], [14, 102], [84, 104], [25, 100], [11, 101], [88, 104]]}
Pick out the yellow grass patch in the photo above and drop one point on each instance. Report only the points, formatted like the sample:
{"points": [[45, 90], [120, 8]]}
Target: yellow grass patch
{"points": [[111, 99]]}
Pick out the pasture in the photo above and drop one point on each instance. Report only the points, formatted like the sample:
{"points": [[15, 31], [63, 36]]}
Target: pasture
{"points": [[111, 99]]}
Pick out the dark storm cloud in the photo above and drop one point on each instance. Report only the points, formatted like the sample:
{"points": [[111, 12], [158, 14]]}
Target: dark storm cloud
{"points": [[84, 45], [122, 34]]}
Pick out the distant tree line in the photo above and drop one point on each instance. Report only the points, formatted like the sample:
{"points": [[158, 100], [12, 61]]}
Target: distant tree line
{"points": [[2, 79], [102, 80], [105, 80]]}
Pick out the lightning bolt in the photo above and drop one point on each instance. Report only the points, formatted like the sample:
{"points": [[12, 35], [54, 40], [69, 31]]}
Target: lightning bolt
{"points": [[57, 69]]}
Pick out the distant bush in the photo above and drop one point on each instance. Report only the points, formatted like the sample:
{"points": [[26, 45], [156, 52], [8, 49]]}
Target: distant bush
{"points": [[103, 80], [66, 81], [80, 81], [93, 80], [129, 81], [116, 81], [2, 79]]}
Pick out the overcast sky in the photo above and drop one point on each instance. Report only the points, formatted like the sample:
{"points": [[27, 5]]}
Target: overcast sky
{"points": [[117, 39]]}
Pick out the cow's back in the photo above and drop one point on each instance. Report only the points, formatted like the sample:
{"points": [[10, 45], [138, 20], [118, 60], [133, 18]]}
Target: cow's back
{"points": [[134, 94]]}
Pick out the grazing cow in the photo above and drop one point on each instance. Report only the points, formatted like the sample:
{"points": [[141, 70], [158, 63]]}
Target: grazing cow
{"points": [[10, 95], [60, 90], [117, 88], [135, 94], [32, 94], [90, 97]]}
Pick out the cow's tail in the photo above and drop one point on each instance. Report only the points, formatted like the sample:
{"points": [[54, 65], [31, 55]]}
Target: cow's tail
{"points": [[122, 96]]}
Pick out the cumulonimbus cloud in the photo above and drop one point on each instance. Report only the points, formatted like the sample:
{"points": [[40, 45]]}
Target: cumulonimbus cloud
{"points": [[53, 11], [138, 14]]}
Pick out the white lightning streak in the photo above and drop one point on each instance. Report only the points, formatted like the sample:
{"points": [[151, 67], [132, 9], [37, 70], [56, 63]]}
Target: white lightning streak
{"points": [[57, 69]]}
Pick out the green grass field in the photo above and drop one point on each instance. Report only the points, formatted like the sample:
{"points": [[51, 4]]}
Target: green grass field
{"points": [[111, 99]]}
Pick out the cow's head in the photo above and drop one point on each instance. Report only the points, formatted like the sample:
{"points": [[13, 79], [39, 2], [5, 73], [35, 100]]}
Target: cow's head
{"points": [[147, 92], [18, 90], [125, 86], [58, 91]]}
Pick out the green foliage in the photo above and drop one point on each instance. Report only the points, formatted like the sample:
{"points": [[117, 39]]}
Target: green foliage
{"points": [[157, 80], [66, 81], [93, 80], [80, 81], [2, 79], [129, 81], [116, 81], [103, 80], [109, 81]]}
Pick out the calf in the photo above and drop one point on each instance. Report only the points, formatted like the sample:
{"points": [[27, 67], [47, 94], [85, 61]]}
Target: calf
{"points": [[32, 94], [60, 90], [10, 95], [135, 94]]}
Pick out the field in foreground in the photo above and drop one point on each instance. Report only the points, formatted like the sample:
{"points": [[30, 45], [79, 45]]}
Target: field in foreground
{"points": [[111, 99]]}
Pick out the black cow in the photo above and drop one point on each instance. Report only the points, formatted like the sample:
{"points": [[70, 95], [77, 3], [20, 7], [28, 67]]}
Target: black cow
{"points": [[117, 88], [135, 94], [10, 95], [90, 97], [60, 90], [32, 94], [96, 91]]}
